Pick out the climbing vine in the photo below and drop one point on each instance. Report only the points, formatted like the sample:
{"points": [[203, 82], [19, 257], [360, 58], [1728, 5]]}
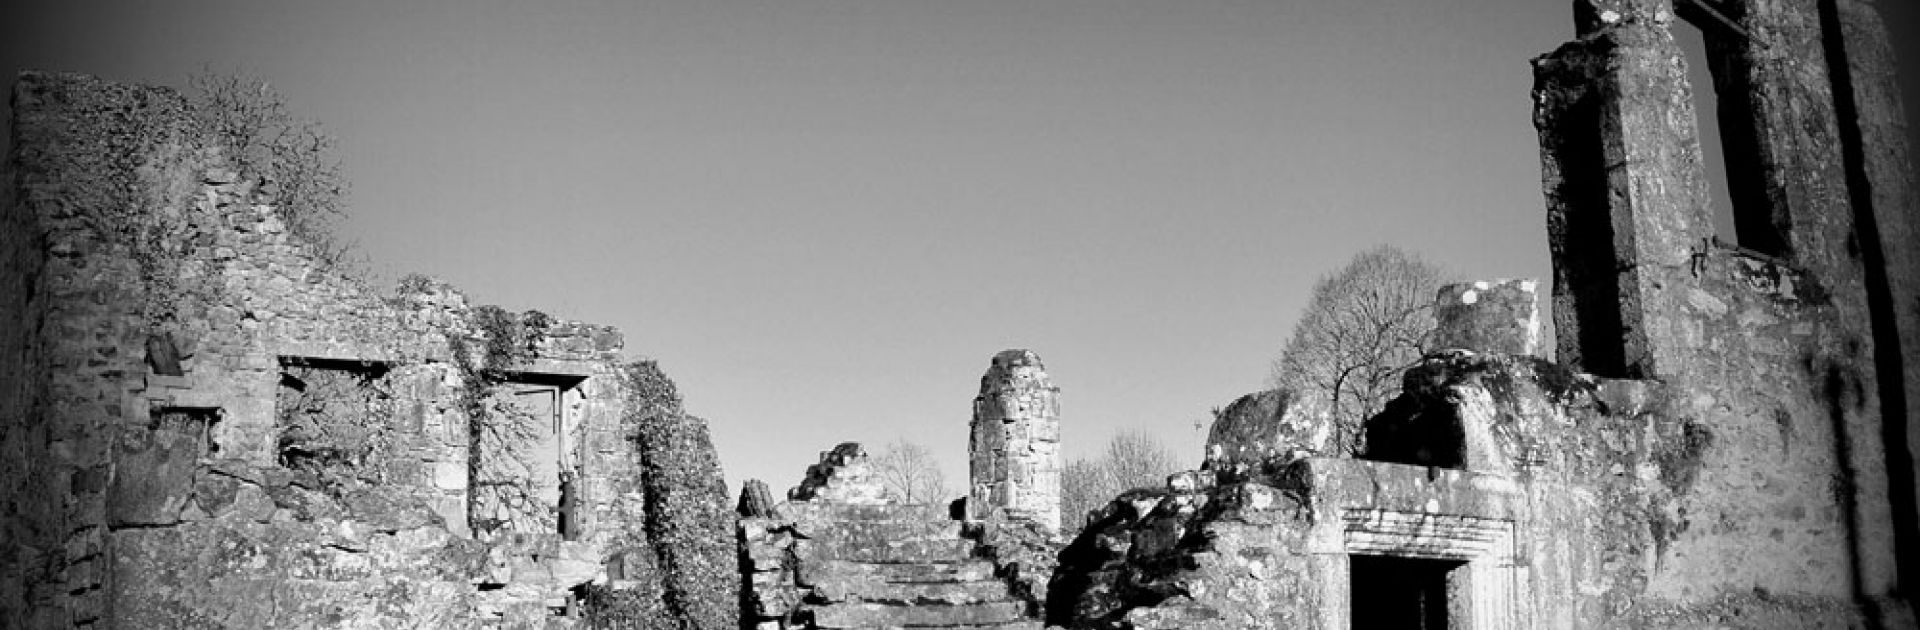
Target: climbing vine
{"points": [[497, 432]]}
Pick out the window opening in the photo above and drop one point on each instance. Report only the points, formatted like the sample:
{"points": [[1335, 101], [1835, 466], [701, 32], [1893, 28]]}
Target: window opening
{"points": [[1712, 42]]}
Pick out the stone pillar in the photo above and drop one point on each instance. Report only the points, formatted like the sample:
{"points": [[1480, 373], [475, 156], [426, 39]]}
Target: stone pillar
{"points": [[1015, 449], [1499, 317], [1625, 186]]}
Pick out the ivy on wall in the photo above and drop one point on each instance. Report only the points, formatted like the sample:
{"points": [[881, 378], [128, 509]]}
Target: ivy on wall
{"points": [[497, 431]]}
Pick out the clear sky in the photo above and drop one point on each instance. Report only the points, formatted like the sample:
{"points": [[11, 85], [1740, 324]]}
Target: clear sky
{"points": [[824, 216]]}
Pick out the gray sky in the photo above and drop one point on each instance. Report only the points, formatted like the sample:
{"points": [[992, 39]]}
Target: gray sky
{"points": [[823, 217]]}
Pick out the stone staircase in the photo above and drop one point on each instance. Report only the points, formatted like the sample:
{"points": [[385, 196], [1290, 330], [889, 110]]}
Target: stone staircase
{"points": [[891, 566]]}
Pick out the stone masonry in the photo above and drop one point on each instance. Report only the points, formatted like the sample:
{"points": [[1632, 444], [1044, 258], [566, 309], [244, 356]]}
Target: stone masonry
{"points": [[843, 475], [1015, 447], [1725, 440], [1499, 491], [205, 426], [1784, 335], [836, 556]]}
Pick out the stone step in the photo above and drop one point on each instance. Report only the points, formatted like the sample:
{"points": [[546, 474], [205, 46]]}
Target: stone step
{"points": [[913, 593], [873, 615], [952, 571], [900, 552], [806, 510], [876, 532]]}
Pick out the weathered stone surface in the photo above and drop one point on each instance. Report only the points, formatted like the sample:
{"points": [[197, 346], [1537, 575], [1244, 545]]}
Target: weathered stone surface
{"points": [[879, 615], [1014, 450], [839, 565], [1778, 343], [210, 426], [155, 472], [1501, 317], [755, 500], [843, 475], [1263, 431]]}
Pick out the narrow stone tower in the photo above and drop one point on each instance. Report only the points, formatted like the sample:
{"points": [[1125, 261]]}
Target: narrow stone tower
{"points": [[1015, 448]]}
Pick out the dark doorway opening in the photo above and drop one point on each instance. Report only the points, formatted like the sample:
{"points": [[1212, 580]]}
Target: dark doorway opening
{"points": [[1391, 593]]}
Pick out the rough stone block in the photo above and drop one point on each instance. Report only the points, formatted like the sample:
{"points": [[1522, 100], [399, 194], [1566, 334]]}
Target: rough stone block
{"points": [[1500, 317]]}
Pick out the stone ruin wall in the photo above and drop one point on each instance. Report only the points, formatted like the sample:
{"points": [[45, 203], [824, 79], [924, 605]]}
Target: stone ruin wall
{"points": [[148, 480], [1569, 500], [1786, 355], [1014, 450], [1726, 440], [833, 554]]}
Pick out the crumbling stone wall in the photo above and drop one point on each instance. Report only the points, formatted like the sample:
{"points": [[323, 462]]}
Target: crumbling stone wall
{"points": [[154, 477], [1015, 444], [838, 554], [1777, 345], [1567, 500], [843, 475]]}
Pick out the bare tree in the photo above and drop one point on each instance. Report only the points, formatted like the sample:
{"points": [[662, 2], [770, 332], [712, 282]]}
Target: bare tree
{"points": [[1133, 459], [293, 158], [1137, 460], [911, 474], [1083, 488], [1365, 324]]}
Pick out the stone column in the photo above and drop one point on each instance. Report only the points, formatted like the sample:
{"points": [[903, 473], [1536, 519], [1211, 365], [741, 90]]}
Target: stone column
{"points": [[1015, 448]]}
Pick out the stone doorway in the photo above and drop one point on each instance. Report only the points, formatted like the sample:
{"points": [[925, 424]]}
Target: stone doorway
{"points": [[1396, 593], [1426, 570]]}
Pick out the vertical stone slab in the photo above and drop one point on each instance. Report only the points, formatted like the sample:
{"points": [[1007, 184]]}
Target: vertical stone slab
{"points": [[1015, 447], [1625, 186]]}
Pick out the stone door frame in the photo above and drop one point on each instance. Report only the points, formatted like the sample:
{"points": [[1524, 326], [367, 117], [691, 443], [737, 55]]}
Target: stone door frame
{"points": [[1488, 592]]}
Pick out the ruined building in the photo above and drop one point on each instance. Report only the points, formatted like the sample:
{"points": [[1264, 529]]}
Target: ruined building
{"points": [[202, 425], [840, 553], [1724, 440]]}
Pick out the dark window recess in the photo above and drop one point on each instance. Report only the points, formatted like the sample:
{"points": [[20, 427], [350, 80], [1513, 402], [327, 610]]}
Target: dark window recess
{"points": [[1391, 593], [1744, 209], [1407, 432]]}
